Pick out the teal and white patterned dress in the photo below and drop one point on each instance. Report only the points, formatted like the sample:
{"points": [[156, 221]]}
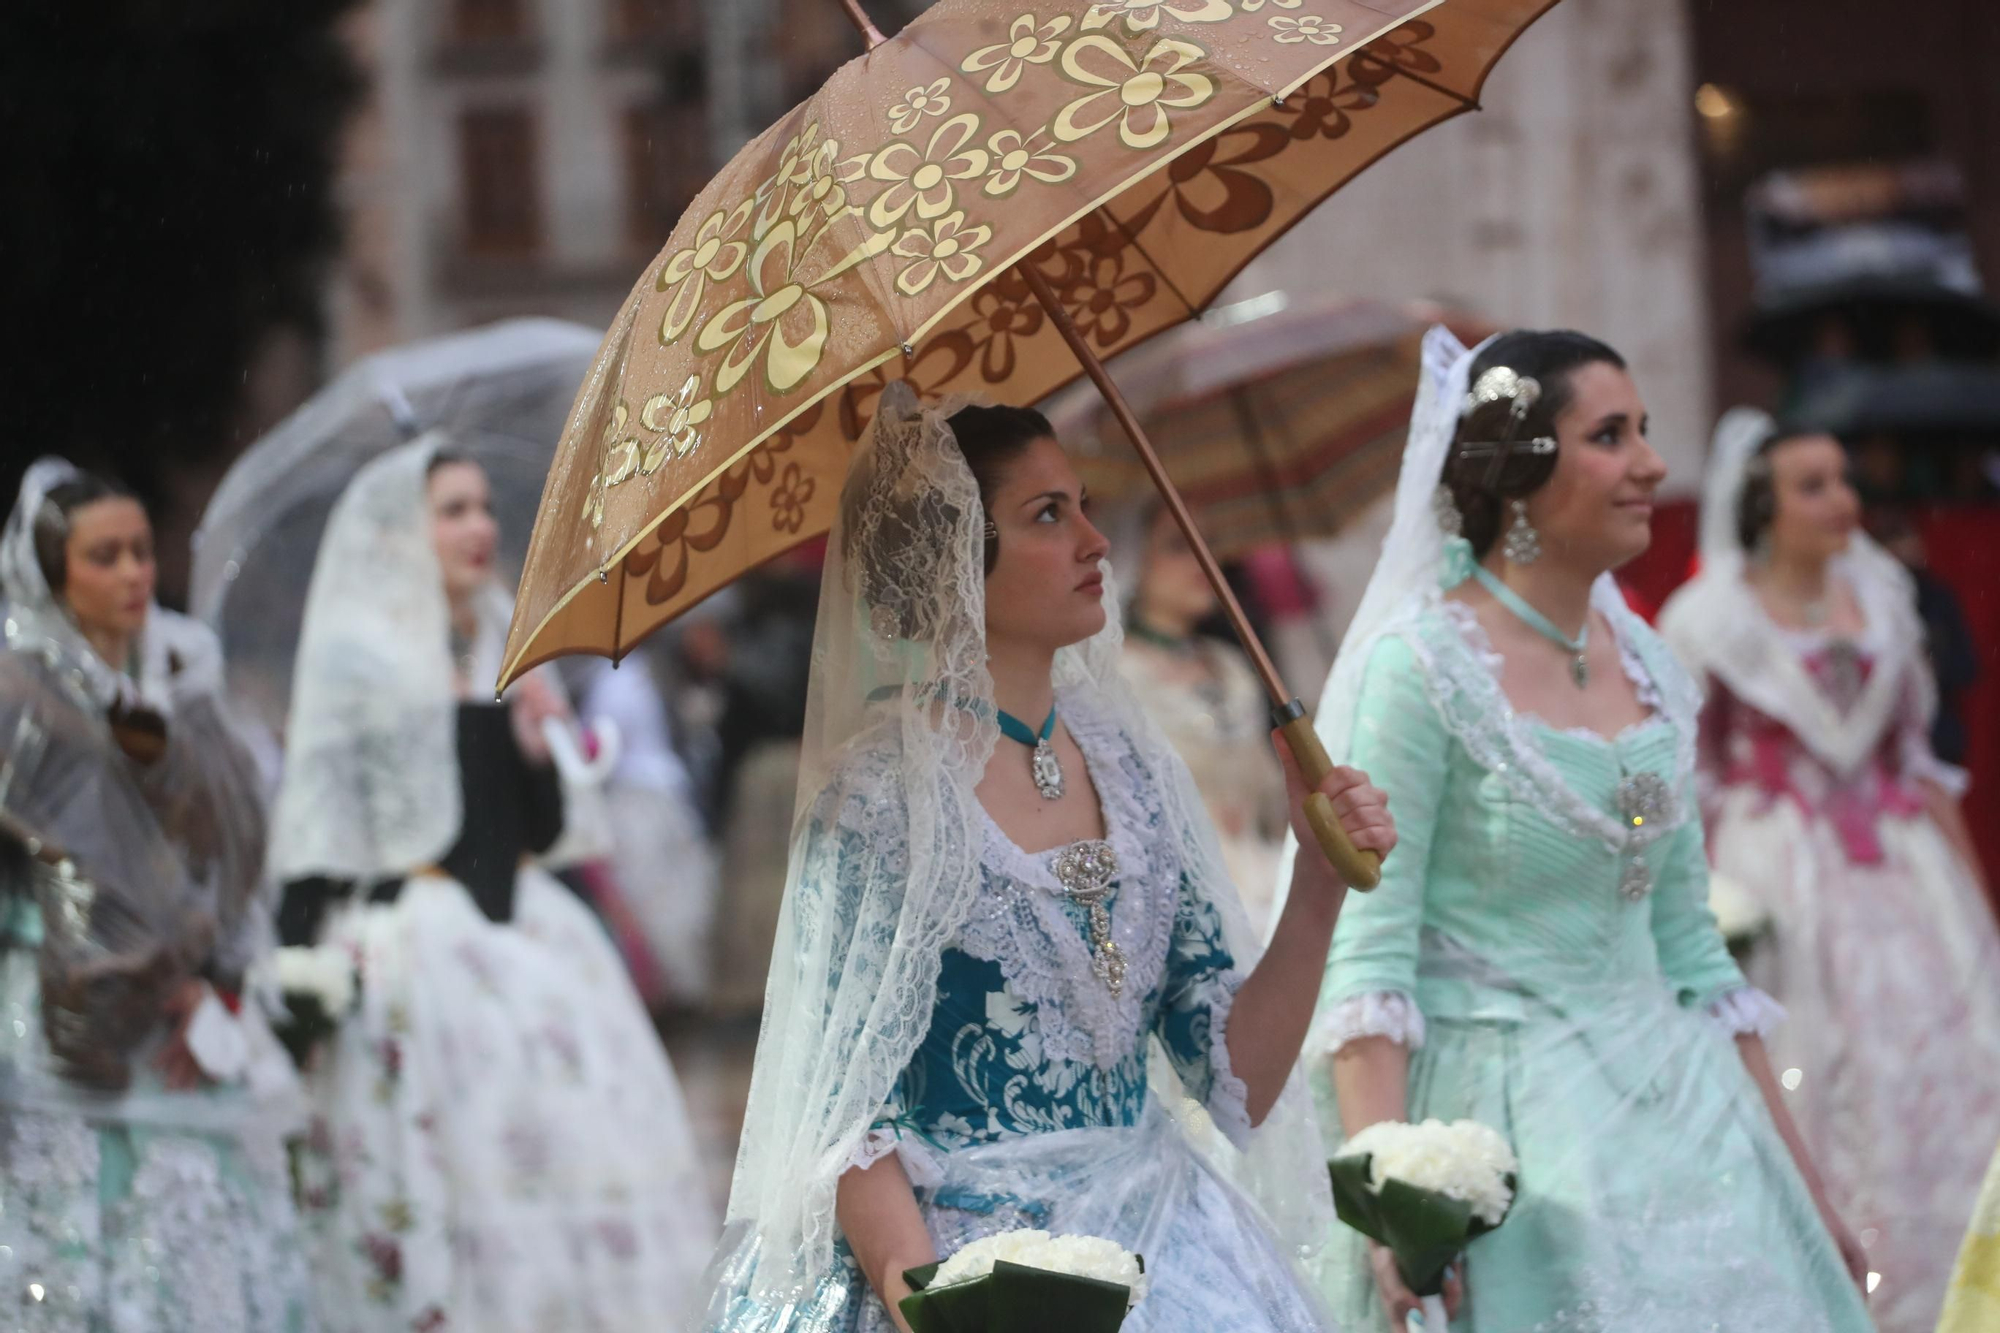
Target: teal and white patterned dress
{"points": [[1034, 1098]]}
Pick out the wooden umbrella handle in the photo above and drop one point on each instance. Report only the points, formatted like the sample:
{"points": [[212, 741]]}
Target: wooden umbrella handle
{"points": [[1361, 869]]}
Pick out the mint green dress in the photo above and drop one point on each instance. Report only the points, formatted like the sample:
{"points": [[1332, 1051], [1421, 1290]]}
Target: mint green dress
{"points": [[1542, 944]]}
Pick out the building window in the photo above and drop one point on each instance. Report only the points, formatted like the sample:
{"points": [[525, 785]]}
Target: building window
{"points": [[474, 22], [500, 183], [670, 19], [666, 164]]}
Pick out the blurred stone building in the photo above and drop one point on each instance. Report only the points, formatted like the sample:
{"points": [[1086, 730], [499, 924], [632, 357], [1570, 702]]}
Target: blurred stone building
{"points": [[530, 156]]}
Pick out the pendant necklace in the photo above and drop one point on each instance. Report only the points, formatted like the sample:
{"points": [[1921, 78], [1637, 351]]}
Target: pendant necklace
{"points": [[1042, 763], [1579, 661]]}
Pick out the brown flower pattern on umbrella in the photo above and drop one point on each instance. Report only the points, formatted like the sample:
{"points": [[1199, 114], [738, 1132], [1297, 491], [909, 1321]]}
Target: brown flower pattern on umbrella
{"points": [[1007, 310], [1136, 94], [1378, 61], [789, 498], [1101, 300], [1027, 44], [1324, 108]]}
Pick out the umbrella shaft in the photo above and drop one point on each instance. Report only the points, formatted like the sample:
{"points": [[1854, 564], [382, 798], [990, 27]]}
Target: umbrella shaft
{"points": [[859, 18], [1169, 493]]}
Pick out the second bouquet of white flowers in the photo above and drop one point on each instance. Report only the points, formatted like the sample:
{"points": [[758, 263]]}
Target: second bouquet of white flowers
{"points": [[1026, 1282], [1425, 1191]]}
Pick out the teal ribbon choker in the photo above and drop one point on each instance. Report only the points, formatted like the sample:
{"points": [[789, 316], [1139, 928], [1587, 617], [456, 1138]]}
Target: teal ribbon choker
{"points": [[1579, 662]]}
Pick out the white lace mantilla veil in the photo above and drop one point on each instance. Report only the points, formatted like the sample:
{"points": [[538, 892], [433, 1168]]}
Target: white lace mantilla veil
{"points": [[371, 786], [1412, 556], [899, 728], [1715, 623]]}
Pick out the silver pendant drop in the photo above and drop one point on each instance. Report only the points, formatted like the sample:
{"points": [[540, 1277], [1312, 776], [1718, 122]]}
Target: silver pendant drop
{"points": [[1047, 771], [1579, 671], [1087, 871], [1636, 881]]}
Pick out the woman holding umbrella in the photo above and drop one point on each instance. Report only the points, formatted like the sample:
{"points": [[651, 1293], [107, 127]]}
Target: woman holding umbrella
{"points": [[141, 1120], [499, 1142], [1539, 956], [1003, 894]]}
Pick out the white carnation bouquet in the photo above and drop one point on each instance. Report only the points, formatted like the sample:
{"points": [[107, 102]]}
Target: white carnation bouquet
{"points": [[1425, 1191], [1027, 1282], [1738, 913], [320, 987]]}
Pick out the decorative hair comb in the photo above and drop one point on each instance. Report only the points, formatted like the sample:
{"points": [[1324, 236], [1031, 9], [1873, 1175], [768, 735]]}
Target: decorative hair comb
{"points": [[1502, 384]]}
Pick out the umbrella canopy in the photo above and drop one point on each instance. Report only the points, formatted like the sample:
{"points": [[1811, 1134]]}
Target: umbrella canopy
{"points": [[1141, 151], [1278, 422], [501, 392]]}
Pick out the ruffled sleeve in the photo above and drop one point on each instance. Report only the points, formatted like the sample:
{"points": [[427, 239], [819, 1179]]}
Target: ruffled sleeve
{"points": [[1193, 1020], [1915, 758], [1401, 742]]}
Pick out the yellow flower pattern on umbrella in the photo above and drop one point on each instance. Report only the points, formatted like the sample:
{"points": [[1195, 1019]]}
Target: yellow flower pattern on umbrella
{"points": [[918, 103], [714, 257], [782, 322], [947, 245], [921, 180], [1306, 28], [1027, 44], [1142, 16], [806, 160], [621, 456], [678, 417], [1135, 95], [1252, 6], [1015, 156]]}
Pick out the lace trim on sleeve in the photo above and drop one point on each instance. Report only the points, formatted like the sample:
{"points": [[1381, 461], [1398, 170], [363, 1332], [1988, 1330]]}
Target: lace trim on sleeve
{"points": [[1228, 1096], [1921, 764], [1745, 1011], [920, 1160], [1386, 1013]]}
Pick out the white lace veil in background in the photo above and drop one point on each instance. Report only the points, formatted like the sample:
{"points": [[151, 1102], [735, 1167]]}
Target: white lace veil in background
{"points": [[899, 728], [371, 784]]}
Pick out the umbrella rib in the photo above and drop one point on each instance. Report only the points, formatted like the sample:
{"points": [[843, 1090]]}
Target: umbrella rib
{"points": [[1469, 104], [1158, 268]]}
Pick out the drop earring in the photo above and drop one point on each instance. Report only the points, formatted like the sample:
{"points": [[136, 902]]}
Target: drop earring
{"points": [[1523, 545]]}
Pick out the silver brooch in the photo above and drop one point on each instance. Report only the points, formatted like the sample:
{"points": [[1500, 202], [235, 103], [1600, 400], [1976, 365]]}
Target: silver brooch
{"points": [[1636, 880], [1086, 871], [1644, 799]]}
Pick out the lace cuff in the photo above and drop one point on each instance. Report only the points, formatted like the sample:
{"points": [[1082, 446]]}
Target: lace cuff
{"points": [[1745, 1011], [920, 1160], [1921, 764], [1382, 1013], [1228, 1096]]}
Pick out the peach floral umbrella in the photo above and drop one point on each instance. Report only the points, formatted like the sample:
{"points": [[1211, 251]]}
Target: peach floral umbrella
{"points": [[991, 201]]}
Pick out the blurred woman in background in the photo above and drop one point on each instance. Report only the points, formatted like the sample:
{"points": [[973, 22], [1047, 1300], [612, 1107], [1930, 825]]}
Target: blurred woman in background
{"points": [[1201, 692], [141, 1120], [499, 1143], [1826, 802]]}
